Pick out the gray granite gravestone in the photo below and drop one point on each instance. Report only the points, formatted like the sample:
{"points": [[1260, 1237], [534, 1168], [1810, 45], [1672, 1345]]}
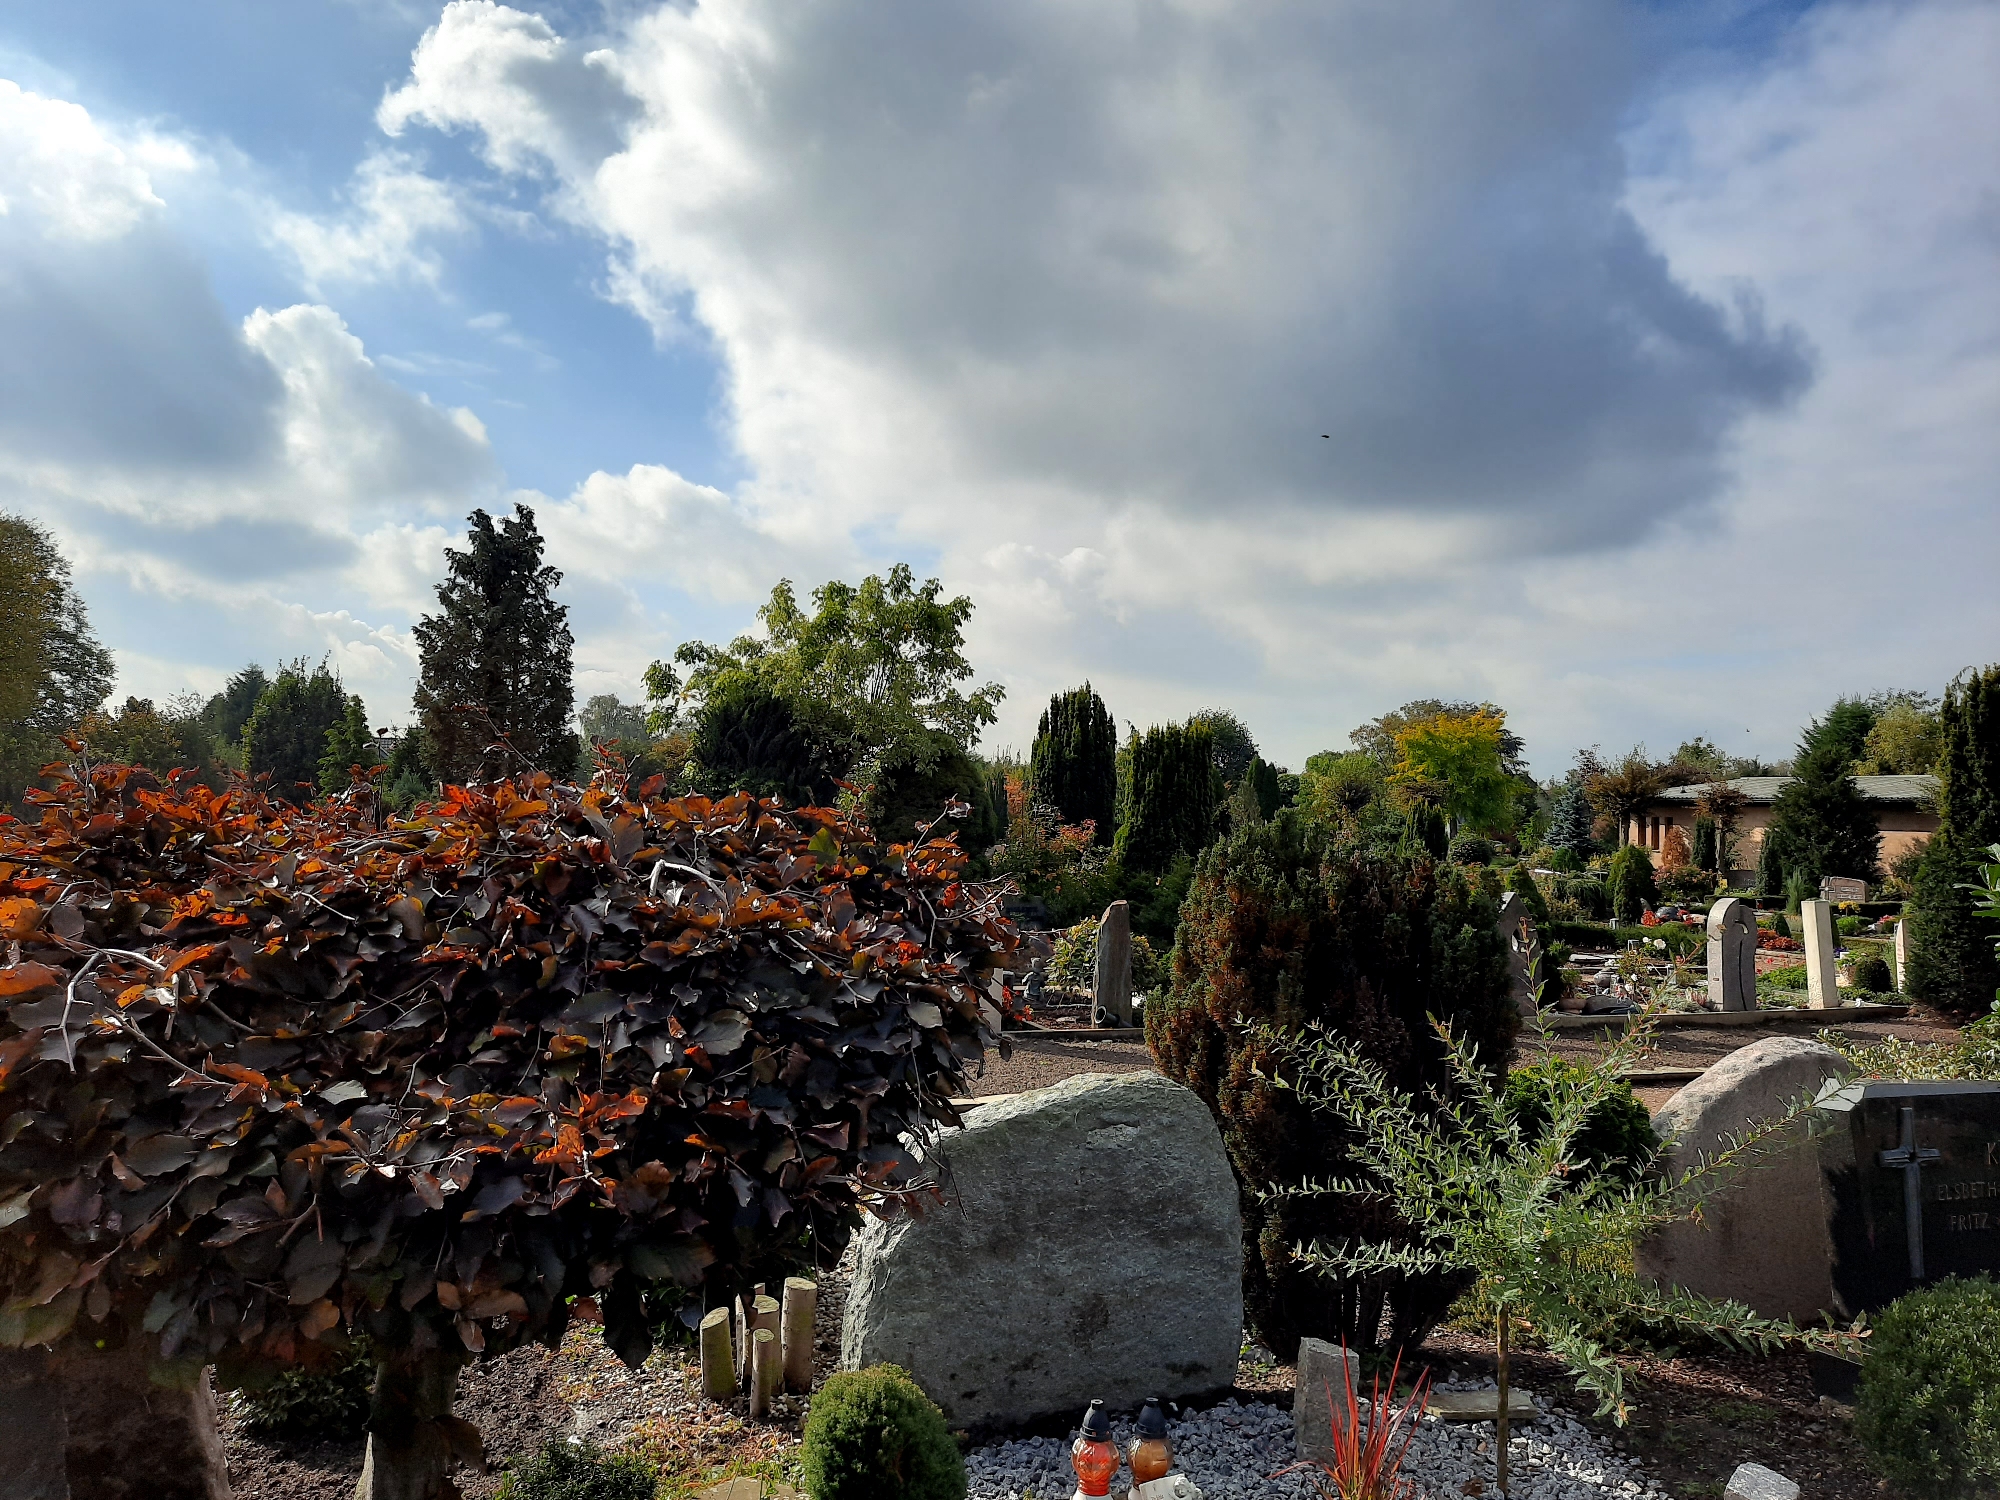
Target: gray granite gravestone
{"points": [[1517, 930], [1913, 1181], [1113, 976], [1732, 956]]}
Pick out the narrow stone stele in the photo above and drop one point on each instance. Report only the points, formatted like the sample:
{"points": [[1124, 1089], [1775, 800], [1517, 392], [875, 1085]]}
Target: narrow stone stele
{"points": [[1482, 1406], [1755, 1482], [1319, 1396], [1822, 979]]}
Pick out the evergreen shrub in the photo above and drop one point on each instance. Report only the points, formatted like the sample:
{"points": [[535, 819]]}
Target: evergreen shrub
{"points": [[1952, 959], [1928, 1407], [1630, 883], [1471, 849], [1871, 975], [1075, 760], [314, 1404], [1617, 1139], [1291, 926], [873, 1435], [1171, 804], [579, 1471]]}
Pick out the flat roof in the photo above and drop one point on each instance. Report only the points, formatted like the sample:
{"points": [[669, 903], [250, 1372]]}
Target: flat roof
{"points": [[1765, 789]]}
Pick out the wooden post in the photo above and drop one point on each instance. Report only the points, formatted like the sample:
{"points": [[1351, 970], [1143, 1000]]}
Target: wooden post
{"points": [[718, 1357], [765, 1368], [1500, 1433], [764, 1314], [745, 1322], [801, 1301]]}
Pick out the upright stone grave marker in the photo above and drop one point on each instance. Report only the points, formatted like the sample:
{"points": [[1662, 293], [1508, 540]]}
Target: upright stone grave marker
{"points": [[1822, 980], [1114, 966], [1913, 1174], [1732, 956], [1518, 932], [1842, 888], [1900, 948]]}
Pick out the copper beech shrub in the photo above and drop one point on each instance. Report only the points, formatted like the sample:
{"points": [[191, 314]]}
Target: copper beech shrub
{"points": [[273, 1076]]}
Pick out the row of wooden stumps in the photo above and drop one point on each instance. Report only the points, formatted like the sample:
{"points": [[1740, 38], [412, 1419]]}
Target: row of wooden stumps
{"points": [[760, 1344]]}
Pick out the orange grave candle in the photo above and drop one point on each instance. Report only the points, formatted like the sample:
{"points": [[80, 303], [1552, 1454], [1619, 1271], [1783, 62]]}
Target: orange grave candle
{"points": [[1093, 1454], [1152, 1453]]}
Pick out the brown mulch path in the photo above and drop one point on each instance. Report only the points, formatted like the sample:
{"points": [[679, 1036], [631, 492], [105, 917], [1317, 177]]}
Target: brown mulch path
{"points": [[523, 1400]]}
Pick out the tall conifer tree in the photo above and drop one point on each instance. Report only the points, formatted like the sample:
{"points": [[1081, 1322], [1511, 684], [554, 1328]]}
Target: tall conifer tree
{"points": [[286, 737], [496, 658], [1075, 763], [1172, 801], [1821, 823], [1952, 964]]}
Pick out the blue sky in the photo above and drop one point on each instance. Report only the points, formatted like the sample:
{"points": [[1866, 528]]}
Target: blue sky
{"points": [[1657, 348]]}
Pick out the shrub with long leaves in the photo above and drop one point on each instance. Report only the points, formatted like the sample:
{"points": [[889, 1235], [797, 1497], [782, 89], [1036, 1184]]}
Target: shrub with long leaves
{"points": [[1544, 1239], [273, 1076]]}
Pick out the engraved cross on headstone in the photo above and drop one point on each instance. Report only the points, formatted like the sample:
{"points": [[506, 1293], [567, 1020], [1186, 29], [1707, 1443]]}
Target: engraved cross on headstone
{"points": [[1911, 1159]]}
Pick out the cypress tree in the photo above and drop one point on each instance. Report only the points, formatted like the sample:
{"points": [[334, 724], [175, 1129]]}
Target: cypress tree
{"points": [[1771, 865], [1823, 824], [286, 736], [1264, 777], [1172, 798], [1952, 963], [1075, 760], [496, 658], [349, 743]]}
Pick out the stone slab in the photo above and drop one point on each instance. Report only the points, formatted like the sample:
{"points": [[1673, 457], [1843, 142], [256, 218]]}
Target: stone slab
{"points": [[1090, 1245], [1319, 1396], [1732, 956], [1822, 978], [1483, 1406], [1763, 1239], [1755, 1482]]}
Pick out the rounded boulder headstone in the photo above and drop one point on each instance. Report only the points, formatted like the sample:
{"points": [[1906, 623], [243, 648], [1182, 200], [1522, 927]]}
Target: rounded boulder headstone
{"points": [[1090, 1245]]}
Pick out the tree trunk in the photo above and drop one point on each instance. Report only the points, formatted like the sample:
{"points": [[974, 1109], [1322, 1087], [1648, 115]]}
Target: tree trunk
{"points": [[129, 1439], [414, 1442], [1500, 1417]]}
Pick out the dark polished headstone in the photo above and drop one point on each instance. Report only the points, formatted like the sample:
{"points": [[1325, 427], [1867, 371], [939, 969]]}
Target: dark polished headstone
{"points": [[1913, 1172]]}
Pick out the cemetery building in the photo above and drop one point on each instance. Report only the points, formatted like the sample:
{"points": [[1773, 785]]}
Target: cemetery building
{"points": [[1905, 812]]}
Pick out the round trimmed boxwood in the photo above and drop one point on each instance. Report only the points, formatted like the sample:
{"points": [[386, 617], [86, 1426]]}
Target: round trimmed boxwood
{"points": [[874, 1435], [1872, 975], [1617, 1139], [1928, 1406], [579, 1471]]}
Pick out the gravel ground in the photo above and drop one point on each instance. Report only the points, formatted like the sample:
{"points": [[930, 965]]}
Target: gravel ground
{"points": [[1042, 1058], [1239, 1450]]}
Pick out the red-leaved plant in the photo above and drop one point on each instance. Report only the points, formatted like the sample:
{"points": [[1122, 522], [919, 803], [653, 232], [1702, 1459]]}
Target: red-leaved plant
{"points": [[1364, 1465]]}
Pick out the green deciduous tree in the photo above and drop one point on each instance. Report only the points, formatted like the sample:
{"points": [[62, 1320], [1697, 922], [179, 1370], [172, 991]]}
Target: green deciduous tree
{"points": [[1952, 961], [871, 668], [1461, 755], [1075, 760], [1620, 791], [1906, 739], [496, 657], [1172, 801], [161, 740], [1230, 742], [286, 736], [52, 669], [1378, 736]]}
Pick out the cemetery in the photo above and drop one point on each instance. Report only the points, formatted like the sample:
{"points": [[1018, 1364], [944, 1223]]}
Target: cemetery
{"points": [[1136, 1119]]}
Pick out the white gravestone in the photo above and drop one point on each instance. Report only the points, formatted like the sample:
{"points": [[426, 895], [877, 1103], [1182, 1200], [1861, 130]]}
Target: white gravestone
{"points": [[1822, 982], [1732, 956], [1901, 950]]}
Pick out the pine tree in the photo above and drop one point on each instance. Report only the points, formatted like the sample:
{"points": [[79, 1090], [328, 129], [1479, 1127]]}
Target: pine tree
{"points": [[349, 743], [1172, 797], [287, 734], [1952, 963], [1570, 820], [1822, 822], [496, 658], [1075, 760], [229, 710], [1264, 777]]}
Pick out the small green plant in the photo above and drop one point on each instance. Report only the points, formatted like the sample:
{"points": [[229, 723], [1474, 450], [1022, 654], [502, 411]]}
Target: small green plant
{"points": [[873, 1435], [579, 1471], [1616, 1139], [314, 1405], [1928, 1407], [1073, 964], [1850, 926], [1871, 975], [1781, 925], [1471, 849], [1974, 1054]]}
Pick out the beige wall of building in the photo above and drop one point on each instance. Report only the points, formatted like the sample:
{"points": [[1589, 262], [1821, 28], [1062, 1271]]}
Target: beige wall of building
{"points": [[1904, 827]]}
